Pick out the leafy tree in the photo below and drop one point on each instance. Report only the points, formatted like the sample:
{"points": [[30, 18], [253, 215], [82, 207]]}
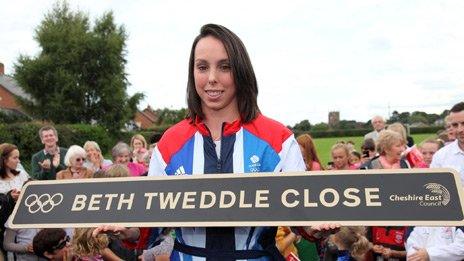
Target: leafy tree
{"points": [[169, 117], [79, 74], [303, 125], [320, 127], [419, 116]]}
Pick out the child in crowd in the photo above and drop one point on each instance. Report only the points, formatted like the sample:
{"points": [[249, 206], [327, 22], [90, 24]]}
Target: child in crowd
{"points": [[89, 248], [355, 159], [350, 243], [341, 157], [428, 149], [52, 244]]}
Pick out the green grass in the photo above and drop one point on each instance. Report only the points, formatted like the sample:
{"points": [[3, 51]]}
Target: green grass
{"points": [[323, 145]]}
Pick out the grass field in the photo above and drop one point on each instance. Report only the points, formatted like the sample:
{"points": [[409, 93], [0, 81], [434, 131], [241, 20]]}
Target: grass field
{"points": [[323, 145]]}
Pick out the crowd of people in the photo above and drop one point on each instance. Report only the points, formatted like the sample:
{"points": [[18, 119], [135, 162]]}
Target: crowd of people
{"points": [[224, 133]]}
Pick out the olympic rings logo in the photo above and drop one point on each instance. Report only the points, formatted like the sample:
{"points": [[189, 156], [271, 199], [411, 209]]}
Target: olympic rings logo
{"points": [[44, 203]]}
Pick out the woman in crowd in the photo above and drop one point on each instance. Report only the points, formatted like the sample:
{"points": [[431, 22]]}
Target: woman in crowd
{"points": [[11, 181], [341, 157], [94, 159], [389, 241], [139, 148], [411, 153], [74, 161], [308, 150], [121, 155]]}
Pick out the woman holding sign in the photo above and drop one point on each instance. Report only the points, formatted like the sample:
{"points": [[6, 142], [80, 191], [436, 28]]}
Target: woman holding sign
{"points": [[225, 132]]}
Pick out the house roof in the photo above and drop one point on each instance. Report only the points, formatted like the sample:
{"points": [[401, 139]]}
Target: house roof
{"points": [[12, 86]]}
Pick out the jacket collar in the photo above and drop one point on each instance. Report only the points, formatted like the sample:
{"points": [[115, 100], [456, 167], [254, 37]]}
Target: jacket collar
{"points": [[228, 128]]}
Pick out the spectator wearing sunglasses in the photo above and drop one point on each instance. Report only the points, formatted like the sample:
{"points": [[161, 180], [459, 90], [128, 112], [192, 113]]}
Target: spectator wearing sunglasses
{"points": [[52, 244], [74, 161]]}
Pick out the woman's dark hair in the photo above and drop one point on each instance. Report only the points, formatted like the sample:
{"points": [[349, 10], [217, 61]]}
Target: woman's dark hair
{"points": [[5, 151], [242, 72], [46, 240]]}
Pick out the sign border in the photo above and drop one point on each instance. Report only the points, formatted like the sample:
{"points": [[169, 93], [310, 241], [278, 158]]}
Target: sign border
{"points": [[456, 175]]}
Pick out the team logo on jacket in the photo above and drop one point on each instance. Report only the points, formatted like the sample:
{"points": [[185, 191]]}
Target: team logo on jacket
{"points": [[255, 165], [180, 171]]}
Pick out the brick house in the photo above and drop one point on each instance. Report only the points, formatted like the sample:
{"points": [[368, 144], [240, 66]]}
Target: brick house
{"points": [[146, 118], [9, 90]]}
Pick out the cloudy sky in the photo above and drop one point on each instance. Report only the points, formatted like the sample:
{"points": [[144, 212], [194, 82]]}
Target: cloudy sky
{"points": [[358, 57]]}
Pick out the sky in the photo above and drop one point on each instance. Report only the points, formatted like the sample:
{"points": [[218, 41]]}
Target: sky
{"points": [[362, 58]]}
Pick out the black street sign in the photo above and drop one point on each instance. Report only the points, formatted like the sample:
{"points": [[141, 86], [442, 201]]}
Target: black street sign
{"points": [[371, 197]]}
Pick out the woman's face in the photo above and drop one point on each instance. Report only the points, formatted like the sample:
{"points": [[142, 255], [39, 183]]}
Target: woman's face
{"points": [[395, 151], [13, 160], [214, 81], [91, 152], [137, 144], [340, 158], [77, 161], [122, 158]]}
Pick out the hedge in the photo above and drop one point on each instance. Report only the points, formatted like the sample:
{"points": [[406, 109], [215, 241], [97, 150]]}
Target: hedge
{"points": [[361, 132]]}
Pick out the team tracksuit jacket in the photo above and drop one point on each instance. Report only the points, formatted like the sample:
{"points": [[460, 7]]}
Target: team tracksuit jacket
{"points": [[262, 145]]}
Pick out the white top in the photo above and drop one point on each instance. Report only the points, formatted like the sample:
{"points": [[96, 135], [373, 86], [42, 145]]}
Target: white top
{"points": [[372, 135], [441, 243], [450, 156], [15, 183]]}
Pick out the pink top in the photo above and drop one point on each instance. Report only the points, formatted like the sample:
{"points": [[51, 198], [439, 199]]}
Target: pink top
{"points": [[136, 169]]}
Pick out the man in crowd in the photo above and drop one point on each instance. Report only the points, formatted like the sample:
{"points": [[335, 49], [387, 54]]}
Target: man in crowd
{"points": [[452, 155], [378, 123], [47, 162]]}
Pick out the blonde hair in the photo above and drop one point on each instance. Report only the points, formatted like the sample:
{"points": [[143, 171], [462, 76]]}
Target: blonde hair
{"points": [[140, 138], [387, 138], [354, 240], [93, 144], [117, 171], [84, 244], [400, 129], [341, 145]]}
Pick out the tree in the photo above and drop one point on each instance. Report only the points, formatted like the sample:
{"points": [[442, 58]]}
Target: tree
{"points": [[320, 127], [169, 117], [79, 74], [303, 125]]}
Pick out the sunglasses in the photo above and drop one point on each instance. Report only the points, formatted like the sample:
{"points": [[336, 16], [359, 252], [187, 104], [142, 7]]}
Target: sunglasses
{"points": [[80, 159], [62, 243]]}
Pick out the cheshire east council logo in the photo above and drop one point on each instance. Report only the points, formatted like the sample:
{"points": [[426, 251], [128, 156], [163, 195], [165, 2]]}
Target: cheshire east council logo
{"points": [[440, 191]]}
